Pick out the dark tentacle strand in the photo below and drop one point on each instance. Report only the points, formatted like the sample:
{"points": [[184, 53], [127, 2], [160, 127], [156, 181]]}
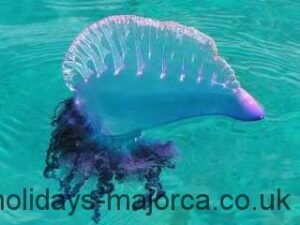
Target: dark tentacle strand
{"points": [[77, 152]]}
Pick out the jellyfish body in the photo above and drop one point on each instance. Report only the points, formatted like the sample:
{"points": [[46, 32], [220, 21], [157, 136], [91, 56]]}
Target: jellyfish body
{"points": [[128, 74], [136, 73]]}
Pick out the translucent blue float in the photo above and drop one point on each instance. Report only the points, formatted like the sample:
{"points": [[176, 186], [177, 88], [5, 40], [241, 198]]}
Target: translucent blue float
{"points": [[128, 74]]}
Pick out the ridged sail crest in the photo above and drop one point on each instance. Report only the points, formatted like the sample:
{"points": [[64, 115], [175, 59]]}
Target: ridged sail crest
{"points": [[142, 46]]}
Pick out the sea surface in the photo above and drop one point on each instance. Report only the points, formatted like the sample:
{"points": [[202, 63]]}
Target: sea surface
{"points": [[218, 155]]}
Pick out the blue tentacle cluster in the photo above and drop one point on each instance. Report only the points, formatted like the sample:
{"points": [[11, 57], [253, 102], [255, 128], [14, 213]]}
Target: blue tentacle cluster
{"points": [[75, 147]]}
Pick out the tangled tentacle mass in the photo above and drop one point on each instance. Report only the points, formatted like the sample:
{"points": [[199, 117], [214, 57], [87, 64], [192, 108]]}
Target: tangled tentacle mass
{"points": [[77, 153]]}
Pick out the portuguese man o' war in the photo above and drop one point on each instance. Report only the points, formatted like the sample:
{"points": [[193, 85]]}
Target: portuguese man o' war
{"points": [[128, 74]]}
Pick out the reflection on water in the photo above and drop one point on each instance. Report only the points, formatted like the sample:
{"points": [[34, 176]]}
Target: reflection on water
{"points": [[260, 39]]}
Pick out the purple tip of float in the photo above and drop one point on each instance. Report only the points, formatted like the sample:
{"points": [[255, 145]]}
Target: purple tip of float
{"points": [[252, 109]]}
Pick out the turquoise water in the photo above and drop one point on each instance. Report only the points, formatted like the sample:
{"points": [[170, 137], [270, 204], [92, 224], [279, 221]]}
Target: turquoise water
{"points": [[260, 39]]}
